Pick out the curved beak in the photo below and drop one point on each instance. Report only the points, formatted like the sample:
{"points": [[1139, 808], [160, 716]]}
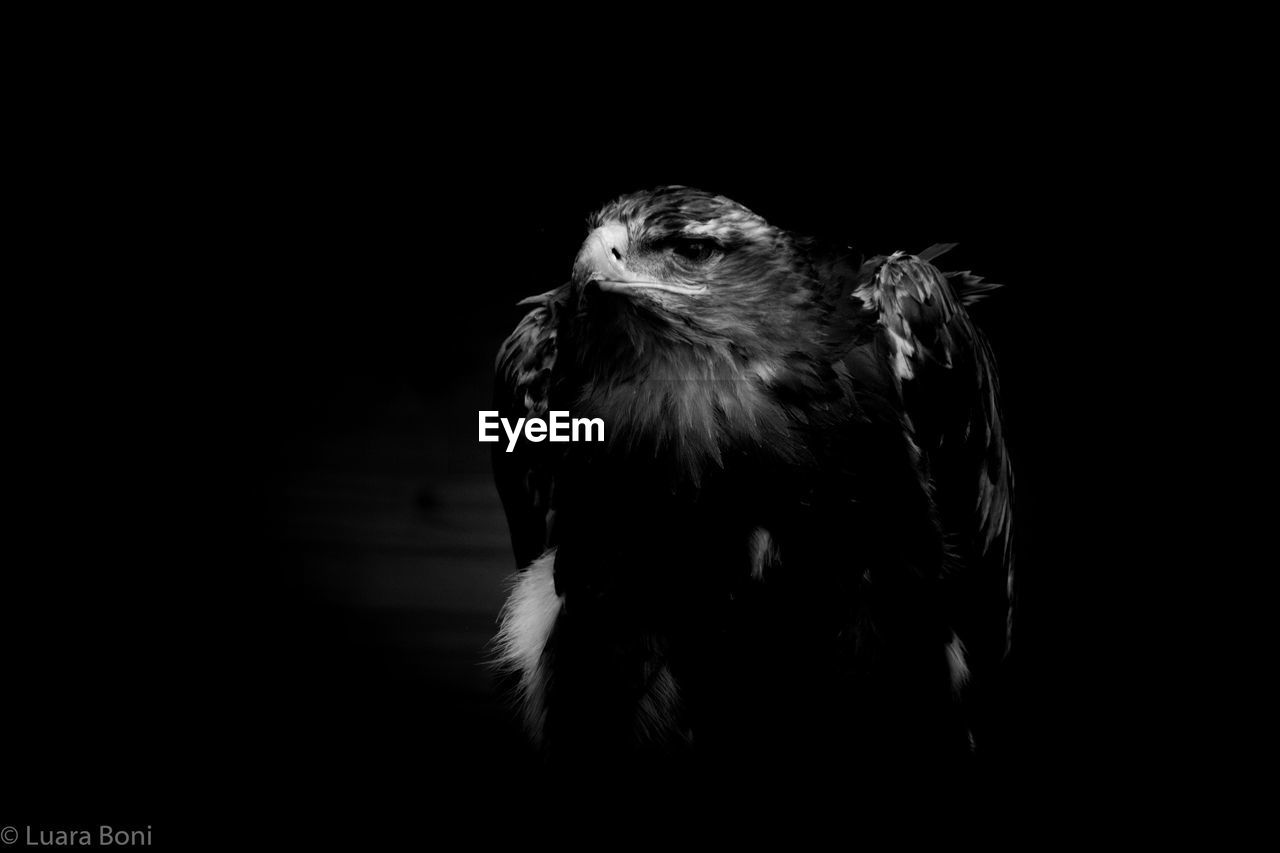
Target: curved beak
{"points": [[602, 257]]}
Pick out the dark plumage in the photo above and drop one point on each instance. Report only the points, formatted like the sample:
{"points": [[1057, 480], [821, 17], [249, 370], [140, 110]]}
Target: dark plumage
{"points": [[796, 536]]}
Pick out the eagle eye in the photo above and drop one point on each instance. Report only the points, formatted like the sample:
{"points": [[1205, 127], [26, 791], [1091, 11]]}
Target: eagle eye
{"points": [[692, 250]]}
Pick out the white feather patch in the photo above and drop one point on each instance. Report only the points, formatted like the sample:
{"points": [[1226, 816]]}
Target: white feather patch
{"points": [[764, 370], [525, 624], [903, 350], [740, 222]]}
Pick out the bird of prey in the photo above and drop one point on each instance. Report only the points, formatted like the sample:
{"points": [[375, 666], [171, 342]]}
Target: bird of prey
{"points": [[795, 538]]}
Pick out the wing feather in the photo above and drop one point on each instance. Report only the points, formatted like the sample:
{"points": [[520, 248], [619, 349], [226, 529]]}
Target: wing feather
{"points": [[522, 386], [950, 389]]}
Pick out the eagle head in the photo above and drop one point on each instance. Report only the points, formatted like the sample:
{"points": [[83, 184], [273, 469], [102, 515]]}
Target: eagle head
{"points": [[687, 263]]}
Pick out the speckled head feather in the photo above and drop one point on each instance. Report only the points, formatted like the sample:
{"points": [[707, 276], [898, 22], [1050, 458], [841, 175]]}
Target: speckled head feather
{"points": [[676, 210]]}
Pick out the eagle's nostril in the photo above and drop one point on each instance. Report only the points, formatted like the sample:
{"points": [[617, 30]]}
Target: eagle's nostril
{"points": [[616, 254]]}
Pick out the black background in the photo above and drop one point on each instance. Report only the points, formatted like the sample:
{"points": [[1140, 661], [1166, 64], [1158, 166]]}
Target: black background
{"points": [[316, 290]]}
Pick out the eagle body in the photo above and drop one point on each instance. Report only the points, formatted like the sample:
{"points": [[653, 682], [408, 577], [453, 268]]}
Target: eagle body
{"points": [[794, 539]]}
